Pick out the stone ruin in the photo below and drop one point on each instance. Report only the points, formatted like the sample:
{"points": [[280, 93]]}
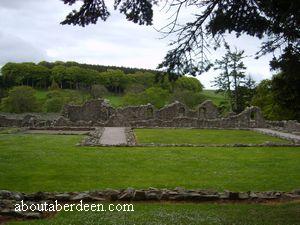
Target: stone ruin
{"points": [[99, 113], [206, 115]]}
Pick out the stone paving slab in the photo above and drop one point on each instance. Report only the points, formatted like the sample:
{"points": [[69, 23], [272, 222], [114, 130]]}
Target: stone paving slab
{"points": [[113, 136], [288, 136]]}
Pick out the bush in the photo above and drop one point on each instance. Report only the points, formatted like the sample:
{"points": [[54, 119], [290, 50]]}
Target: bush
{"points": [[155, 95], [98, 91], [20, 99], [188, 84], [55, 101], [190, 98], [54, 104]]}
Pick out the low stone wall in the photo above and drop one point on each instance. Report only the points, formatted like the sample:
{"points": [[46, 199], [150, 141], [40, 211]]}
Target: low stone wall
{"points": [[285, 125], [93, 138], [266, 144], [28, 120], [8, 199]]}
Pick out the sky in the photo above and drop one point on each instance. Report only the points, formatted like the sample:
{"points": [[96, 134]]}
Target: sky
{"points": [[30, 31]]}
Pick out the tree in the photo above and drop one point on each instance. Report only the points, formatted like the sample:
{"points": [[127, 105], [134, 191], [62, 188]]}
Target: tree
{"points": [[54, 85], [238, 74], [223, 81], [286, 83], [20, 99], [264, 97], [275, 20], [117, 81], [137, 11], [58, 74], [246, 92], [28, 74], [232, 80]]}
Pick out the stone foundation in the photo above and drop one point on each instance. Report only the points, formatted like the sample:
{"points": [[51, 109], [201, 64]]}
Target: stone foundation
{"points": [[8, 199]]}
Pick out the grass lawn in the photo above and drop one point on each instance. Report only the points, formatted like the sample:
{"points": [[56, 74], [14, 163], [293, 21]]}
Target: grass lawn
{"points": [[185, 214], [30, 163], [202, 136]]}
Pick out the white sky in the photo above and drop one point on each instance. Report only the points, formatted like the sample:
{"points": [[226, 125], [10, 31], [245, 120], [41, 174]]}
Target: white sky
{"points": [[30, 31]]}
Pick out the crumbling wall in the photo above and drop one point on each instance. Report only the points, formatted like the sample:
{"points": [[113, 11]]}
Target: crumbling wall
{"points": [[99, 113], [94, 111], [125, 116], [9, 122], [171, 111], [207, 110]]}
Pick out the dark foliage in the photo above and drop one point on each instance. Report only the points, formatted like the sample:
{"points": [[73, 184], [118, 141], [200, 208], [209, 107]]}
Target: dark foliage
{"points": [[137, 11], [286, 85]]}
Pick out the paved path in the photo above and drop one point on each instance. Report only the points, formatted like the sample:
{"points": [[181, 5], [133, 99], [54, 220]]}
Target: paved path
{"points": [[113, 136], [295, 138]]}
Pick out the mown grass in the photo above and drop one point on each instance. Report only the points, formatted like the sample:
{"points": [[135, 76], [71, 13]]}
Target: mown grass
{"points": [[184, 214], [32, 163], [202, 136]]}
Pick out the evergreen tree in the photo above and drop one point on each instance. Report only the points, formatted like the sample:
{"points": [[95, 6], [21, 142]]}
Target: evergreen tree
{"points": [[232, 79]]}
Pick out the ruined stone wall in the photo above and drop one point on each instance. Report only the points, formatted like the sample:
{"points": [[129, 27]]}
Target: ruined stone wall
{"points": [[8, 122], [172, 111], [27, 120], [99, 113], [207, 110], [92, 111], [125, 116]]}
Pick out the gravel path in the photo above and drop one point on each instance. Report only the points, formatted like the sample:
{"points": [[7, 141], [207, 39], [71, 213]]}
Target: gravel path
{"points": [[293, 137], [113, 136]]}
